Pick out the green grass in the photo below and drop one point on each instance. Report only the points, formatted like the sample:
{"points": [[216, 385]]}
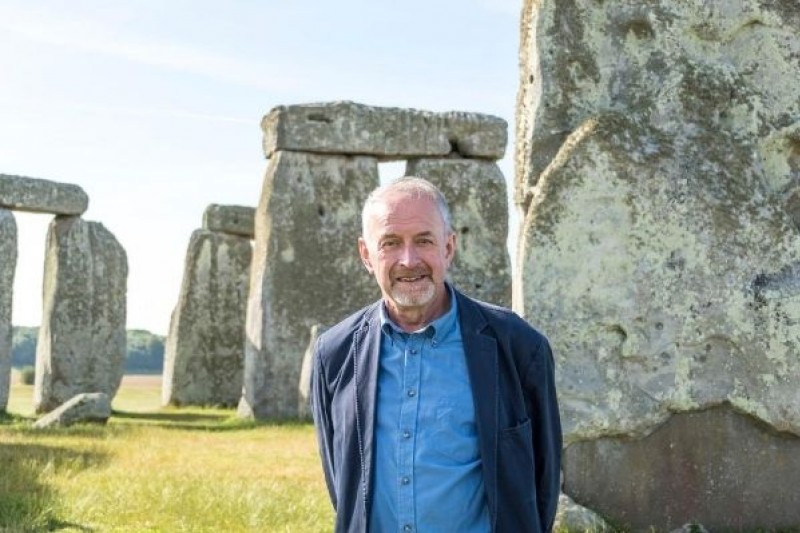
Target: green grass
{"points": [[158, 470]]}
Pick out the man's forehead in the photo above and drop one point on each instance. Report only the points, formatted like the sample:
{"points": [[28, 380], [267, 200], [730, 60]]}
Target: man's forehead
{"points": [[393, 215], [397, 203]]}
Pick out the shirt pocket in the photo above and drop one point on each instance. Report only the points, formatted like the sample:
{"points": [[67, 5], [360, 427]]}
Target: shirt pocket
{"points": [[455, 436]]}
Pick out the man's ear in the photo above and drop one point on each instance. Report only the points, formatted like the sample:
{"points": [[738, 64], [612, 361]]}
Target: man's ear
{"points": [[363, 251], [450, 248]]}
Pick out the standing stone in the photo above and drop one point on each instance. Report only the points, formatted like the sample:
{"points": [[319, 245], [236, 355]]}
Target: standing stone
{"points": [[385, 132], [476, 193], [659, 174], [42, 196], [204, 353], [81, 345], [304, 386], [305, 271], [8, 263]]}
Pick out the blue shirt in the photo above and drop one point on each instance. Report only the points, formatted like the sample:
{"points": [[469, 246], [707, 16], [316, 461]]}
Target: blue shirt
{"points": [[427, 473]]}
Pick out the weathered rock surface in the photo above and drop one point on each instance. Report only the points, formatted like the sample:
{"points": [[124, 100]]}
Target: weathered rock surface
{"points": [[385, 132], [41, 196], [94, 407], [659, 174], [305, 269], [476, 194], [204, 353], [573, 517], [690, 527], [728, 468], [304, 386], [231, 219], [81, 346], [8, 263]]}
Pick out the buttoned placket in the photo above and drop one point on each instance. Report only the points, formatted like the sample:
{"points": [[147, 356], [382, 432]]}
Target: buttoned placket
{"points": [[413, 345]]}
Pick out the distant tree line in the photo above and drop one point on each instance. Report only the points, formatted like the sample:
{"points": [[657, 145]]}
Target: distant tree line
{"points": [[145, 350]]}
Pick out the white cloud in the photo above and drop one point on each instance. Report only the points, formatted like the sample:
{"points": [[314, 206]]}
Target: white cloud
{"points": [[93, 37]]}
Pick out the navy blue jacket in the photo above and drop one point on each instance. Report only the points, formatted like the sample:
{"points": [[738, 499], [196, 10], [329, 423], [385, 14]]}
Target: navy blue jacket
{"points": [[510, 367]]}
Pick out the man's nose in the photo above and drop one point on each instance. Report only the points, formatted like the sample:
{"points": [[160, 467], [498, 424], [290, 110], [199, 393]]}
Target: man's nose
{"points": [[409, 256]]}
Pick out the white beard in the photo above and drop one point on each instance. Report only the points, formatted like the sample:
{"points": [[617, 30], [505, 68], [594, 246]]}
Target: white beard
{"points": [[413, 297]]}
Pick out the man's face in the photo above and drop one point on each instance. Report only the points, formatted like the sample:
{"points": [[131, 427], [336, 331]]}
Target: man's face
{"points": [[408, 249]]}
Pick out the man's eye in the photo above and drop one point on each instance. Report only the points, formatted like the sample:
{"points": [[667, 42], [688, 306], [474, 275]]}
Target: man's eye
{"points": [[388, 244]]}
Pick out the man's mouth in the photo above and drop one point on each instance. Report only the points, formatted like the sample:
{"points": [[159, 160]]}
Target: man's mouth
{"points": [[412, 278]]}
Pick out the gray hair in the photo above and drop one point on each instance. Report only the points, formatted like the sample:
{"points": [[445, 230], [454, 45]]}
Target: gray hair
{"points": [[413, 187]]}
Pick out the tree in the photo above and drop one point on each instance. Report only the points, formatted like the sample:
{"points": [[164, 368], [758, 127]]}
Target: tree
{"points": [[145, 353]]}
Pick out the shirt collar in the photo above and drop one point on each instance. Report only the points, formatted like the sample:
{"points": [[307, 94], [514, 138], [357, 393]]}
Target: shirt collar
{"points": [[439, 328]]}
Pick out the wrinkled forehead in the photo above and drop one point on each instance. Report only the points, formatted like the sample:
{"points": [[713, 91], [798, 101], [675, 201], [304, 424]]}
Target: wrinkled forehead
{"points": [[400, 207]]}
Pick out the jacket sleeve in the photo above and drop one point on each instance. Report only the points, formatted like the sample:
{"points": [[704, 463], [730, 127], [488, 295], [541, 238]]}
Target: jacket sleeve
{"points": [[547, 440], [321, 410]]}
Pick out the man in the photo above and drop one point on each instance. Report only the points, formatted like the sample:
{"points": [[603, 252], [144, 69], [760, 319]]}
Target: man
{"points": [[434, 412]]}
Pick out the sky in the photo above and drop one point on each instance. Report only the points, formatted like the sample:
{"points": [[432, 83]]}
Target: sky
{"points": [[153, 107]]}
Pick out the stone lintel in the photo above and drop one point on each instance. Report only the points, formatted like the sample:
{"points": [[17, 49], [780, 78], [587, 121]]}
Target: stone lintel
{"points": [[231, 219], [42, 196], [388, 133]]}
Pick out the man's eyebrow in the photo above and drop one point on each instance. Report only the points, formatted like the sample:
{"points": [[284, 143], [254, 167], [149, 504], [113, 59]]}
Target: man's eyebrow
{"points": [[427, 233]]}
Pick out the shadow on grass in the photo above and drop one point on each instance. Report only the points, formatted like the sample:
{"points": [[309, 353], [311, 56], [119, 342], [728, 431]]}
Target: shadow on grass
{"points": [[8, 418], [193, 420], [27, 502]]}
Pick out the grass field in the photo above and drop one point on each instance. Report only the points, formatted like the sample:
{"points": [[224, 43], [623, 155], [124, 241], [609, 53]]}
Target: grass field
{"points": [[158, 470]]}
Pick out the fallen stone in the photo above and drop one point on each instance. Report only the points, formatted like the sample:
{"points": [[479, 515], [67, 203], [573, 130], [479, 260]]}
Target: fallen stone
{"points": [[718, 467], [87, 407], [304, 387], [8, 253], [305, 271], [204, 352], [81, 345], [231, 219], [41, 196], [387, 133], [476, 194]]}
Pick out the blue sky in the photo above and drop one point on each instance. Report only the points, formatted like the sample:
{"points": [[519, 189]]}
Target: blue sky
{"points": [[153, 106]]}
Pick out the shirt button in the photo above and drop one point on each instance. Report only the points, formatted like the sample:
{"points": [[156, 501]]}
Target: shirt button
{"points": [[434, 343], [408, 527], [411, 393], [404, 480], [406, 434], [413, 351]]}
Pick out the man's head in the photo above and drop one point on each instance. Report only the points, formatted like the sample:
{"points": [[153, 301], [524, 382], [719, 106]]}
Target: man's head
{"points": [[408, 244]]}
